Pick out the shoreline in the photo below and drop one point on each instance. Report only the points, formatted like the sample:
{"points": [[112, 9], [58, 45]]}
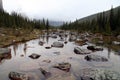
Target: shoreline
{"points": [[12, 36]]}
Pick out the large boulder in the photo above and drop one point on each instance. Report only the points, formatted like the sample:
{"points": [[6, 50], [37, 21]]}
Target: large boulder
{"points": [[98, 74], [18, 76], [57, 44], [78, 50], [97, 58], [54, 36], [5, 53], [95, 48], [72, 38], [63, 66], [34, 56]]}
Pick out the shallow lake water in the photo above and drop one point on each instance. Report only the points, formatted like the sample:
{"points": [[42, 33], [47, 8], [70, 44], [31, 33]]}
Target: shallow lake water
{"points": [[20, 60]]}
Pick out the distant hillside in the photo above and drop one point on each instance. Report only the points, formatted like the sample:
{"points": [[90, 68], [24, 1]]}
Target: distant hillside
{"points": [[94, 16], [107, 22]]}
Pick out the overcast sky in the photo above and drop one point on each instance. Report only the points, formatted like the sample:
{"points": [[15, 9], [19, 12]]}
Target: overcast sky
{"points": [[60, 10]]}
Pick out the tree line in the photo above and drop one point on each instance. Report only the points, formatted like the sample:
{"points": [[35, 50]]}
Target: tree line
{"points": [[15, 20], [107, 23]]}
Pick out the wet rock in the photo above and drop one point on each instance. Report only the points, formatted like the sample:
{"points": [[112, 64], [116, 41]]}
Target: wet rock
{"points": [[65, 42], [22, 55], [54, 36], [5, 51], [118, 36], [45, 73], [97, 58], [78, 50], [116, 43], [34, 56], [48, 47], [57, 44], [95, 48], [63, 66], [41, 43], [18, 76], [98, 74], [72, 38]]}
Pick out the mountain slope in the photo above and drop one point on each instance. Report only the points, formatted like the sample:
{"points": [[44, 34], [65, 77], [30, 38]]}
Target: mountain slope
{"points": [[94, 16]]}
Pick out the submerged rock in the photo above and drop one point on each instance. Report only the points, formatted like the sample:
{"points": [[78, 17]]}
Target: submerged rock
{"points": [[57, 53], [63, 66], [62, 77], [97, 58], [34, 56], [45, 73], [95, 48], [78, 50], [18, 76], [57, 44]]}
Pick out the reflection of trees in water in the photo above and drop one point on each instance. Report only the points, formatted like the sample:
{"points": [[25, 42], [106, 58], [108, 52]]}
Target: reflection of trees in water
{"points": [[109, 52], [47, 38], [25, 48], [15, 48]]}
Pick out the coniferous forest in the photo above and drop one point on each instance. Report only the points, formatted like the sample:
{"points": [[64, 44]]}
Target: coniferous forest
{"points": [[15, 27], [105, 22], [15, 20]]}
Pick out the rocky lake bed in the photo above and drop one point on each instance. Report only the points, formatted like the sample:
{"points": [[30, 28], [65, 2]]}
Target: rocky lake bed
{"points": [[61, 55]]}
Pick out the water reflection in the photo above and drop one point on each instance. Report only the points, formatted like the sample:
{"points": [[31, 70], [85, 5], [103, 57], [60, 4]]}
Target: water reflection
{"points": [[15, 48], [4, 57], [109, 52], [25, 48], [47, 39]]}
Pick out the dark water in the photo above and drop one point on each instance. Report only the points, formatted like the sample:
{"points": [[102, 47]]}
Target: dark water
{"points": [[19, 60]]}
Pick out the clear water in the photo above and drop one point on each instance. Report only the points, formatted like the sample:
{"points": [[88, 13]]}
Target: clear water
{"points": [[19, 60]]}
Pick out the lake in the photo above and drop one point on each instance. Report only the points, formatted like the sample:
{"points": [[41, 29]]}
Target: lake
{"points": [[20, 60]]}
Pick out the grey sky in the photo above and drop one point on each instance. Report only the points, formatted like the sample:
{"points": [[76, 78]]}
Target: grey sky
{"points": [[60, 10]]}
